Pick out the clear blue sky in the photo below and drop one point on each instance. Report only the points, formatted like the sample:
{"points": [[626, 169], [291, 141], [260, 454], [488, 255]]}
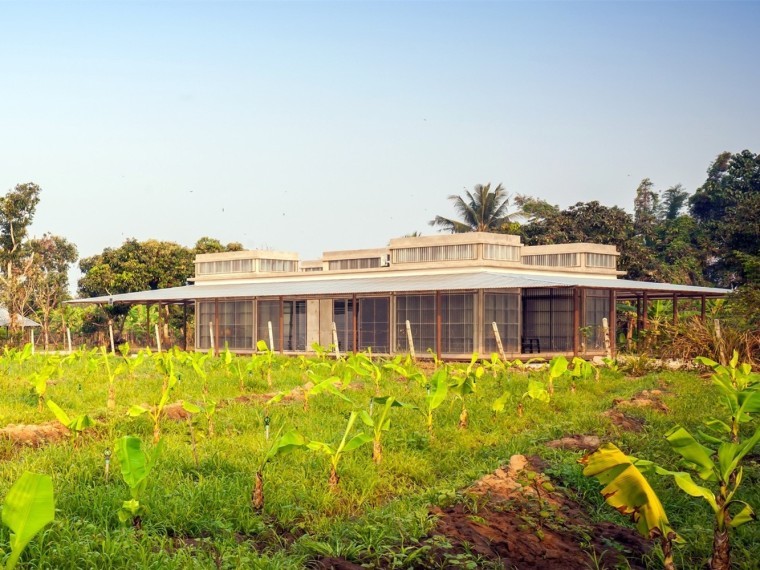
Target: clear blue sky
{"points": [[313, 126]]}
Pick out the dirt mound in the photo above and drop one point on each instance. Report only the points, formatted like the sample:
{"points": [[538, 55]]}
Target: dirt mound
{"points": [[520, 520], [624, 421], [576, 442], [34, 435], [176, 412], [332, 563], [645, 399]]}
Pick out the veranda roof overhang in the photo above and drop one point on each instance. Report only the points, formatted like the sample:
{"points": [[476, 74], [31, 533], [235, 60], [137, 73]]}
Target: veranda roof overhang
{"points": [[378, 284]]}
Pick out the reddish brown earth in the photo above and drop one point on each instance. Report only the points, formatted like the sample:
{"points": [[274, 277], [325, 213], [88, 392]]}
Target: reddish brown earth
{"points": [[521, 521], [34, 435]]}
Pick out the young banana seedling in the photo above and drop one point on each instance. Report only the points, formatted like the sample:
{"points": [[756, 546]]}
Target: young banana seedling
{"points": [[156, 412], [28, 508], [437, 390], [75, 425], [465, 383], [112, 375], [136, 465], [336, 453], [381, 423], [280, 446]]}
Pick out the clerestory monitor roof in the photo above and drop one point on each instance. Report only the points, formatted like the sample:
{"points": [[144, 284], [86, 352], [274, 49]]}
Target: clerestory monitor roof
{"points": [[315, 286]]}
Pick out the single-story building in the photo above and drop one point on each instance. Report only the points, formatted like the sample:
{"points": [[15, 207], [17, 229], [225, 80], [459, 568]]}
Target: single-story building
{"points": [[451, 289]]}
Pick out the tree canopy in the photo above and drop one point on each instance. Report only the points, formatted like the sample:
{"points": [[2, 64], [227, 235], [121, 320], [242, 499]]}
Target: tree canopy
{"points": [[482, 210]]}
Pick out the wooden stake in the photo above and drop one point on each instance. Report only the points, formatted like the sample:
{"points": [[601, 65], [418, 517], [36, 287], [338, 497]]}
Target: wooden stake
{"points": [[335, 341], [498, 341], [719, 338], [158, 339], [110, 334], [271, 336], [607, 345], [211, 335], [410, 340], [31, 338], [68, 337]]}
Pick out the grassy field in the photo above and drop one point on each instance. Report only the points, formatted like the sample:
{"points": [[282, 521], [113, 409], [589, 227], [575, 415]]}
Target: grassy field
{"points": [[199, 497]]}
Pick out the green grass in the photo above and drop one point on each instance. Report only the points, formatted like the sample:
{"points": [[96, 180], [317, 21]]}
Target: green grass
{"points": [[200, 516]]}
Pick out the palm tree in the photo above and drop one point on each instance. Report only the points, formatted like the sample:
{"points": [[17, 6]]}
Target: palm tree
{"points": [[483, 210]]}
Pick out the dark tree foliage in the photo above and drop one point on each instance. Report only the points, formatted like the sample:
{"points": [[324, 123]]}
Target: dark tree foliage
{"points": [[727, 206]]}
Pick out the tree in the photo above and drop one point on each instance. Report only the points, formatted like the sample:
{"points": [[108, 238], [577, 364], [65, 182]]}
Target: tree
{"points": [[17, 209], [727, 206], [48, 278], [482, 210], [212, 245]]}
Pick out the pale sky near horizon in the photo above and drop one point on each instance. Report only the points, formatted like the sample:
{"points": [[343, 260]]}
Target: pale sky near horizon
{"points": [[312, 126]]}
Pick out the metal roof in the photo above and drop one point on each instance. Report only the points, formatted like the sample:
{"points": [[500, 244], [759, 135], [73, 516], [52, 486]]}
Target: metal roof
{"points": [[5, 319], [362, 284]]}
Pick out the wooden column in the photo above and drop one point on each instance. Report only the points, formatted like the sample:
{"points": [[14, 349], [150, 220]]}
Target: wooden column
{"points": [[702, 311], [216, 325], [576, 319], [147, 324], [675, 309], [282, 326], [612, 322], [438, 323], [645, 311], [355, 323], [184, 326]]}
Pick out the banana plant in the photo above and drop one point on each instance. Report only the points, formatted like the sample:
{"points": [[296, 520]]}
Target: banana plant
{"points": [[437, 390], [75, 425], [740, 388], [39, 381], [208, 410], [266, 357], [537, 391], [557, 368], [406, 368], [132, 364], [112, 375], [198, 362], [465, 383], [382, 423], [281, 445], [336, 453], [136, 465], [627, 490], [583, 369], [156, 412], [496, 366], [28, 508]]}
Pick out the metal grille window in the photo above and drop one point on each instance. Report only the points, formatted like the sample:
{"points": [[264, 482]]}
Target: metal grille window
{"points": [[601, 260], [501, 252], [234, 327], [361, 263], [552, 260], [374, 324], [597, 308], [205, 316], [343, 317], [277, 265], [268, 312], [419, 310], [294, 325], [548, 317], [457, 323], [434, 253], [504, 310]]}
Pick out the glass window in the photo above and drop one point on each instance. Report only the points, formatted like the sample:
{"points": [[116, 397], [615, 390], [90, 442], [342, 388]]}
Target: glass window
{"points": [[419, 310], [268, 312], [234, 327], [374, 324], [504, 310], [548, 318], [294, 325], [343, 317], [457, 323], [597, 308]]}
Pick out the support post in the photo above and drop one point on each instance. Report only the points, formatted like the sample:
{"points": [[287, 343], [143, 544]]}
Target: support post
{"points": [[336, 348], [675, 309], [702, 310], [216, 322], [68, 337], [110, 335], [355, 324], [576, 319], [147, 324], [282, 325], [184, 326], [410, 340], [645, 311], [31, 338], [271, 336], [613, 323], [438, 324], [158, 338], [212, 344], [499, 345]]}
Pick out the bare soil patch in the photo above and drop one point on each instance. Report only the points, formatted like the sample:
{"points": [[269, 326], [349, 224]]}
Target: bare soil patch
{"points": [[624, 421], [576, 442], [645, 399], [35, 435], [517, 517]]}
